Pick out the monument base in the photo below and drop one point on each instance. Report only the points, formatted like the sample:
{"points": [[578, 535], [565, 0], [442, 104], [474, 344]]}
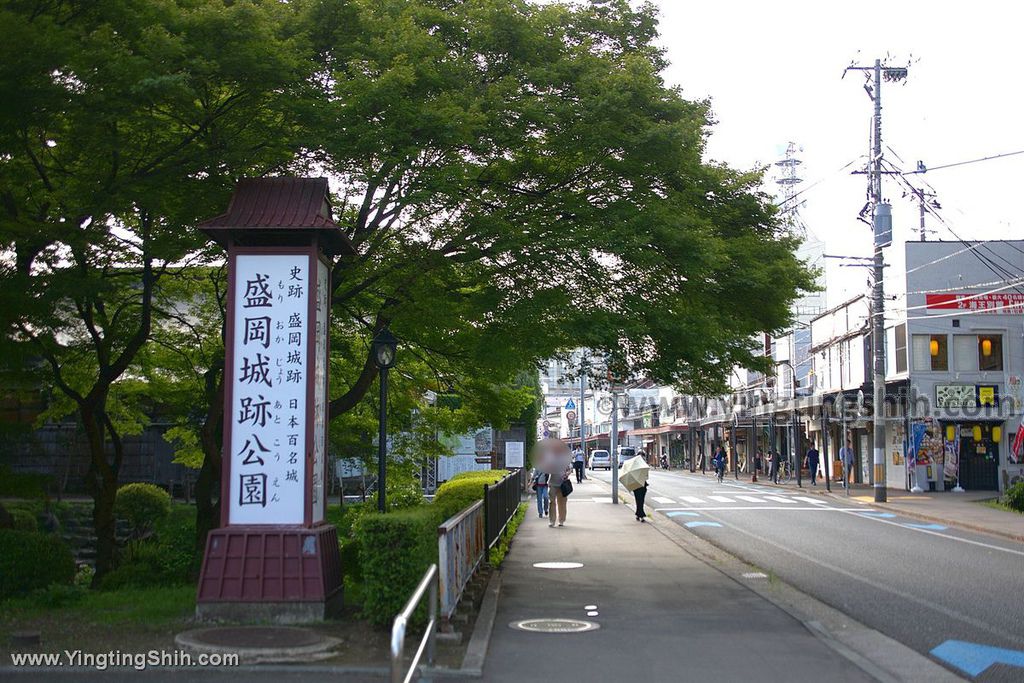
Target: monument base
{"points": [[278, 574]]}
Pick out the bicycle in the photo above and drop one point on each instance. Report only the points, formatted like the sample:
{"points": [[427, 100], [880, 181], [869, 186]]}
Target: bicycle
{"points": [[785, 472], [720, 472]]}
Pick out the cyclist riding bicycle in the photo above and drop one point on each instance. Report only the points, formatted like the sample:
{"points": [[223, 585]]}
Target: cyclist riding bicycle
{"points": [[719, 463]]}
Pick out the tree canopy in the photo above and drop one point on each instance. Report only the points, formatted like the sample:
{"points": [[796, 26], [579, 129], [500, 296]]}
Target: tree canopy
{"points": [[517, 178]]}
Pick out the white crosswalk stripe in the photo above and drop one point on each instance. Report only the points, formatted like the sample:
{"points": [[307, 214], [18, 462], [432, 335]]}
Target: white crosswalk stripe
{"points": [[750, 499], [816, 501], [721, 499], [663, 500], [691, 499], [780, 499]]}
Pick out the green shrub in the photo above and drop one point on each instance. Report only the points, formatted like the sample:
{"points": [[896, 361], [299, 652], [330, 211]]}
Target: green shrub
{"points": [[23, 484], [142, 505], [395, 551], [1014, 496], [24, 520], [403, 492], [497, 554], [167, 558], [31, 560], [462, 490]]}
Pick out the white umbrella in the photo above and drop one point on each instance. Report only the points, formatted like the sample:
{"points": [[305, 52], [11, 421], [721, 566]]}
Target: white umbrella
{"points": [[634, 473]]}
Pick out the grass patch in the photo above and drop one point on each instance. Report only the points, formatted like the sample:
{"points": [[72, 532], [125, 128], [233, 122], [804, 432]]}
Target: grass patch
{"points": [[125, 607], [497, 554], [998, 505]]}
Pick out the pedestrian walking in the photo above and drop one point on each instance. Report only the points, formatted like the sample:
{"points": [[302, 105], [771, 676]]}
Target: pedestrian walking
{"points": [[773, 464], [847, 456], [758, 461], [553, 457], [578, 462], [540, 485], [639, 495], [559, 493], [811, 460]]}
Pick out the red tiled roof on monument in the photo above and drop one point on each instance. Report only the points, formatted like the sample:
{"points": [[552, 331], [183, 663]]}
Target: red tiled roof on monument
{"points": [[276, 203]]}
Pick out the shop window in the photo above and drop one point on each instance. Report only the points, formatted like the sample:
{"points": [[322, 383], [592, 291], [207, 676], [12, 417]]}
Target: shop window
{"points": [[990, 352], [931, 353]]}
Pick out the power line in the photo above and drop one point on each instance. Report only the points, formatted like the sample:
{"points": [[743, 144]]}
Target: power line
{"points": [[962, 163], [819, 181]]}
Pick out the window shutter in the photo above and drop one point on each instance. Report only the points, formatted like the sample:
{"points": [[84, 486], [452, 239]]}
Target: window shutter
{"points": [[965, 353], [922, 353]]}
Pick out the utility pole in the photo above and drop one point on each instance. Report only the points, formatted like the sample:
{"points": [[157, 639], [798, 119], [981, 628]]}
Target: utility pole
{"points": [[882, 228], [615, 445], [580, 411]]}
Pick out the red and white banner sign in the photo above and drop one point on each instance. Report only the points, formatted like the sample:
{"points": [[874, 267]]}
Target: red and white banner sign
{"points": [[1000, 303], [1018, 444]]}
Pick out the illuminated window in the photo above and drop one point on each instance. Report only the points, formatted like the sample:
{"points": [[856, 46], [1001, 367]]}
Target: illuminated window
{"points": [[990, 352], [931, 352]]}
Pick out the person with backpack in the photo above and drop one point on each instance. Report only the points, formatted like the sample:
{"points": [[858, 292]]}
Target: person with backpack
{"points": [[540, 485]]}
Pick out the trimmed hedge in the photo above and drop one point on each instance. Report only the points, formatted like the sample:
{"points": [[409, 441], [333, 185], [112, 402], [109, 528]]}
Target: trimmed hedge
{"points": [[395, 550], [142, 505], [24, 520], [29, 561], [168, 558], [464, 489], [1014, 496], [403, 492], [23, 484]]}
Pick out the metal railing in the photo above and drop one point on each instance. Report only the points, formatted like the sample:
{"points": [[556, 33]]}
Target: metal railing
{"points": [[501, 500], [460, 549], [429, 581]]}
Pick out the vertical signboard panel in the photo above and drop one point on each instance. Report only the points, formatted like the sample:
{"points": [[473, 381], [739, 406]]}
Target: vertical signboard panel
{"points": [[268, 389], [320, 390]]}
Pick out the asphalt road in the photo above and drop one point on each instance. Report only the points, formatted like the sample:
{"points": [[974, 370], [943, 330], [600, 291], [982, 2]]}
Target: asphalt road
{"points": [[923, 585]]}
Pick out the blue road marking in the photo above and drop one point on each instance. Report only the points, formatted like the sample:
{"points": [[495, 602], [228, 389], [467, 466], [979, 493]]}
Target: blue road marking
{"points": [[687, 514], [973, 658], [936, 527], [873, 513], [691, 525]]}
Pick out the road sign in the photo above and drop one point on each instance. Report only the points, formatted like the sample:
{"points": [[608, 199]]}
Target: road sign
{"points": [[570, 405], [571, 416]]}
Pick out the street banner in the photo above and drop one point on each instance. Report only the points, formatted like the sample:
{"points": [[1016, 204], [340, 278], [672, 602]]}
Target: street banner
{"points": [[1018, 445], [918, 430], [951, 465]]}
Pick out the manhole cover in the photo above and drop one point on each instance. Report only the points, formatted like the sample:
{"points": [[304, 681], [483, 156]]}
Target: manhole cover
{"points": [[555, 625], [558, 565]]}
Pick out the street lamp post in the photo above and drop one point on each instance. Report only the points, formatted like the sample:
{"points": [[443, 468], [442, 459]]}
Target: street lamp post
{"points": [[384, 347]]}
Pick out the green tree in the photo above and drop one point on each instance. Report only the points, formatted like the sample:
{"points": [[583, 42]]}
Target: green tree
{"points": [[121, 123], [518, 179]]}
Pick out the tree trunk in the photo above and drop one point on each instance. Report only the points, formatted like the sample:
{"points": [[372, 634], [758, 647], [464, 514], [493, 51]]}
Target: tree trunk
{"points": [[103, 485], [6, 521], [208, 484]]}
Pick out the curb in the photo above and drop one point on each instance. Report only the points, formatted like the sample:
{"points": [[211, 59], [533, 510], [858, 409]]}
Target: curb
{"points": [[480, 640], [863, 661]]}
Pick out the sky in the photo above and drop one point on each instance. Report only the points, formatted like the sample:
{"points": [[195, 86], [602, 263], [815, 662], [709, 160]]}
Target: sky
{"points": [[774, 74]]}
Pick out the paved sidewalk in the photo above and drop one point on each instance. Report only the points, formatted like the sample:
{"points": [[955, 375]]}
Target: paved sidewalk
{"points": [[663, 614], [945, 507]]}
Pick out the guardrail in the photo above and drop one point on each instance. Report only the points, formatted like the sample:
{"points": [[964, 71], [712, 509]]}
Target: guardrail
{"points": [[501, 500], [429, 581], [460, 549]]}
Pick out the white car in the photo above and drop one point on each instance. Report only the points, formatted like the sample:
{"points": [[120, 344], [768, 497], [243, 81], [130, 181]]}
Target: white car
{"points": [[600, 459]]}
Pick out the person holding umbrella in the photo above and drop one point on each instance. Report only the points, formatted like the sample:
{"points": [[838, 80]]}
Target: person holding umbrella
{"points": [[634, 477]]}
